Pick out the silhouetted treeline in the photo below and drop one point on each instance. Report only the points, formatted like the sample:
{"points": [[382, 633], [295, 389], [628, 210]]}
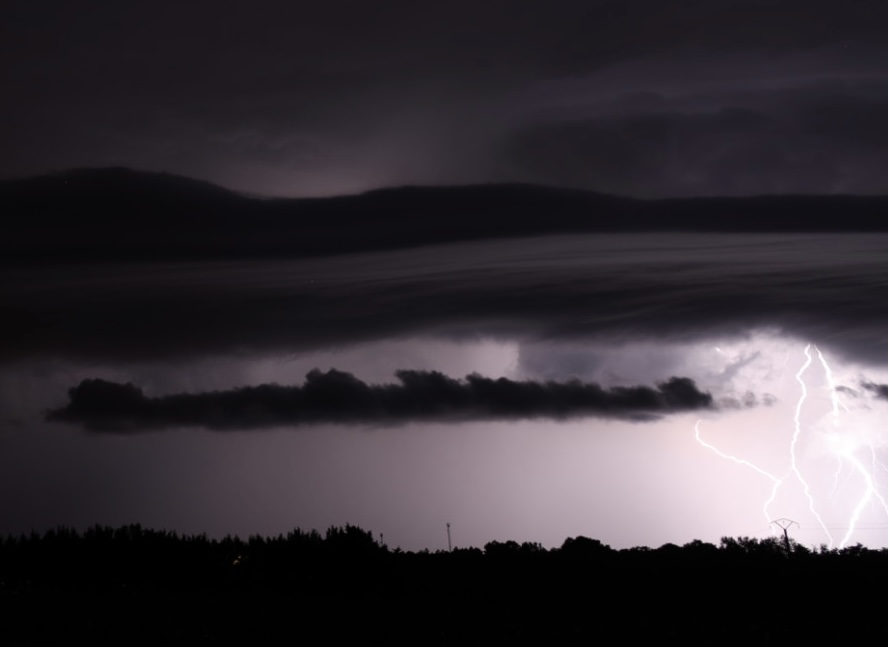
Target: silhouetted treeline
{"points": [[137, 586], [132, 556]]}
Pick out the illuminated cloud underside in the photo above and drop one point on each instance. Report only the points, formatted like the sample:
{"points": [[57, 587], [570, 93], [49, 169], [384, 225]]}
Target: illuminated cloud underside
{"points": [[733, 313]]}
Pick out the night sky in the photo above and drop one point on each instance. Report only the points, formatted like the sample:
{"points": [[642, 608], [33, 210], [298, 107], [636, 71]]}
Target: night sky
{"points": [[636, 97], [636, 387]]}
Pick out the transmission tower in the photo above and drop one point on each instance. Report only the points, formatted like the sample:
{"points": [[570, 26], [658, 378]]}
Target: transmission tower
{"points": [[785, 524], [449, 545]]}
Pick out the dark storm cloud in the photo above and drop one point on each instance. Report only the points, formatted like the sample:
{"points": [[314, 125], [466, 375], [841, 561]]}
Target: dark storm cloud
{"points": [[826, 289], [880, 390], [339, 397], [812, 140], [319, 98], [200, 46]]}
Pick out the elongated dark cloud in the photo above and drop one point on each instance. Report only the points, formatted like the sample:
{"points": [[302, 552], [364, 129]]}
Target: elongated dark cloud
{"points": [[90, 215], [339, 397]]}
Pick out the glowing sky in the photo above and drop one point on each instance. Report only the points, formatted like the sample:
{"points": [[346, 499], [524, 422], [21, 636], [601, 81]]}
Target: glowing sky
{"points": [[625, 482]]}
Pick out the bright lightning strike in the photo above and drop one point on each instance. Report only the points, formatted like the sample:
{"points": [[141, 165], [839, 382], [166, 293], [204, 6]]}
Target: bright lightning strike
{"points": [[844, 451], [740, 461], [840, 438], [794, 462]]}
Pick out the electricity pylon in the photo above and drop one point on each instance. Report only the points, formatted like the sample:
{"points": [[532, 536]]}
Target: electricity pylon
{"points": [[785, 524]]}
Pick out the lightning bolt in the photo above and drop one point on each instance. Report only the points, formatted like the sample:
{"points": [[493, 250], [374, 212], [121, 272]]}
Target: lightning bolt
{"points": [[845, 452], [740, 461], [794, 463], [833, 391], [843, 444]]}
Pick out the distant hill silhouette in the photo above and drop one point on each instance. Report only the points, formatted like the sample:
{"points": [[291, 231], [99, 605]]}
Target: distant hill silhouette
{"points": [[118, 213]]}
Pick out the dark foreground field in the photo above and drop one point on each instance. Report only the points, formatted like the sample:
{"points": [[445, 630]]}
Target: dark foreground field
{"points": [[133, 586]]}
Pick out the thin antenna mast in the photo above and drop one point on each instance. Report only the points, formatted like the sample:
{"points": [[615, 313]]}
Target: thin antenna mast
{"points": [[449, 545]]}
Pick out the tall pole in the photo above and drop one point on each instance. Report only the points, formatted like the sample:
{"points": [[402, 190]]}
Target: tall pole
{"points": [[785, 524], [449, 545]]}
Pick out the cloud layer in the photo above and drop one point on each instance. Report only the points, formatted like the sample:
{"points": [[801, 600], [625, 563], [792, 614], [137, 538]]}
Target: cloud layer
{"points": [[340, 397], [335, 97], [826, 289], [812, 140]]}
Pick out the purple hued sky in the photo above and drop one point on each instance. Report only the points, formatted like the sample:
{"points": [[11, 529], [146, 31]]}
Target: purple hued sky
{"points": [[641, 98], [636, 97]]}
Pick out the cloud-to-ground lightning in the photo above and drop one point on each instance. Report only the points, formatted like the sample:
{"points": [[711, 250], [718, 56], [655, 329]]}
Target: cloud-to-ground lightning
{"points": [[793, 446], [740, 461], [844, 451], [840, 438]]}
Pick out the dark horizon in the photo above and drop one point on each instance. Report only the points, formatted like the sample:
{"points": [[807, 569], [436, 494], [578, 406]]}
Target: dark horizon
{"points": [[120, 214], [46, 179]]}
